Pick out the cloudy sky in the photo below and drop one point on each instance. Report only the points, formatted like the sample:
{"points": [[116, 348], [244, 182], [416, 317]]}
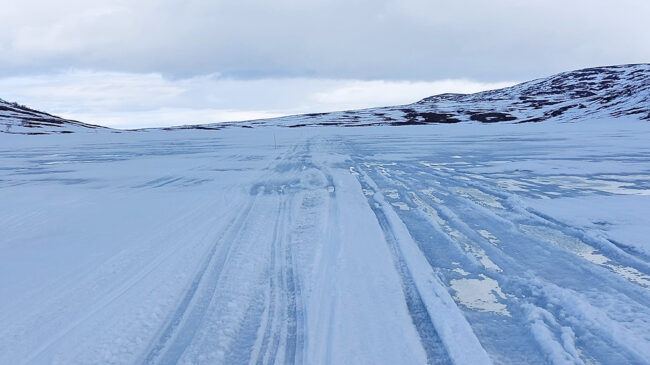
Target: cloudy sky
{"points": [[128, 63]]}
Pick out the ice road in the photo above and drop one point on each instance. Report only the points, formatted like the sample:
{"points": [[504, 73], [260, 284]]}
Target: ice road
{"points": [[440, 244]]}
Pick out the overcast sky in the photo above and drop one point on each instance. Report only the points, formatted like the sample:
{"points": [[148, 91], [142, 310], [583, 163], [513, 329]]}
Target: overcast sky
{"points": [[139, 63]]}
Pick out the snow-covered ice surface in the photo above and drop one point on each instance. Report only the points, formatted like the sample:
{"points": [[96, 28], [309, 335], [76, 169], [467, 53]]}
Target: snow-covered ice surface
{"points": [[467, 243]]}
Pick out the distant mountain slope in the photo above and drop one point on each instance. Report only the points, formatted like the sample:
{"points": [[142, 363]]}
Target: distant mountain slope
{"points": [[612, 91], [600, 92], [19, 119]]}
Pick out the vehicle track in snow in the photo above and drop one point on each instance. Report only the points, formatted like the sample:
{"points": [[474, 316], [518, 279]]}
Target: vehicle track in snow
{"points": [[270, 331], [178, 332], [278, 322], [535, 261], [431, 342]]}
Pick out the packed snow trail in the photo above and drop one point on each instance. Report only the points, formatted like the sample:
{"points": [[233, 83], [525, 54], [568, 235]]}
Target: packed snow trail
{"points": [[458, 244]]}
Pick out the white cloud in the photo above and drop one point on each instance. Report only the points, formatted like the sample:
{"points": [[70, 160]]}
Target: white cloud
{"points": [[359, 94], [129, 100], [209, 61], [164, 117], [331, 39]]}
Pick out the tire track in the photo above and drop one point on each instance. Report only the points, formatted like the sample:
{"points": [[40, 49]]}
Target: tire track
{"points": [[178, 333], [283, 316], [269, 344], [293, 294], [431, 342], [461, 213]]}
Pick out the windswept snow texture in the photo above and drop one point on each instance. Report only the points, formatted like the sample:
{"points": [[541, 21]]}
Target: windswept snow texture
{"points": [[448, 244]]}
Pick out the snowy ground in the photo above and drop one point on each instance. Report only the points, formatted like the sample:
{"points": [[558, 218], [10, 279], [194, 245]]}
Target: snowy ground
{"points": [[466, 244]]}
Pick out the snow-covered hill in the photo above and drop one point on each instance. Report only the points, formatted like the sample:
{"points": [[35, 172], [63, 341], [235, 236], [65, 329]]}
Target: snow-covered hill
{"points": [[612, 91], [19, 119]]}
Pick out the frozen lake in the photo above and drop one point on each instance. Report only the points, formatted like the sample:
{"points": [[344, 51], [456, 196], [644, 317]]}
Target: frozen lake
{"points": [[468, 244]]}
